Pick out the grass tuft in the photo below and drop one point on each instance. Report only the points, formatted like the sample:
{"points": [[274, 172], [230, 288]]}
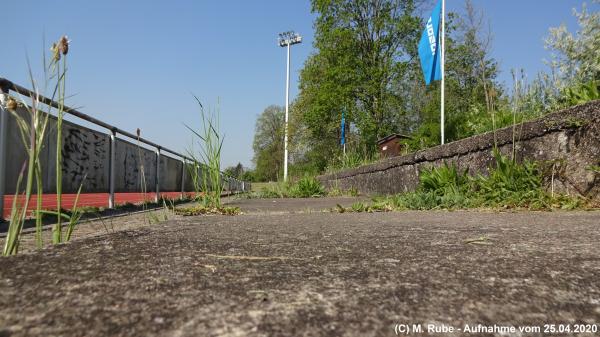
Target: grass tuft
{"points": [[203, 210], [208, 159], [509, 185], [306, 187], [32, 128]]}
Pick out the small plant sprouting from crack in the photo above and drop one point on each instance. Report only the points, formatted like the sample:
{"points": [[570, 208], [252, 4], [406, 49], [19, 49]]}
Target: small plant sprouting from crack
{"points": [[203, 210], [208, 159]]}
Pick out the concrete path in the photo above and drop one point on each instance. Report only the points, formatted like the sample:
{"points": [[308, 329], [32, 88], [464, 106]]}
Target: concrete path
{"points": [[313, 274]]}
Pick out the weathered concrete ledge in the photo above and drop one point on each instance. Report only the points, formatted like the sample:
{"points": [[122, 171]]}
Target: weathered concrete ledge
{"points": [[567, 142]]}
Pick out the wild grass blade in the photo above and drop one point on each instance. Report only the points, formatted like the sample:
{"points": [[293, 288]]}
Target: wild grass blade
{"points": [[211, 145], [76, 214], [57, 229], [32, 134], [39, 217], [16, 221]]}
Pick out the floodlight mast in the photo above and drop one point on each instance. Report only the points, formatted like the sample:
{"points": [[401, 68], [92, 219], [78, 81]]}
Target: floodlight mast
{"points": [[287, 39]]}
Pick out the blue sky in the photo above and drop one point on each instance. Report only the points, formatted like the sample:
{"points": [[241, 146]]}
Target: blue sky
{"points": [[134, 64]]}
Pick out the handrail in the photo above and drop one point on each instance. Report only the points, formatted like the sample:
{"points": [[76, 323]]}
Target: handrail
{"points": [[8, 85]]}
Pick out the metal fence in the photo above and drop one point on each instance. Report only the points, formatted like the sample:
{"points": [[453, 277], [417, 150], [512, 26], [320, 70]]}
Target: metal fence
{"points": [[102, 162]]}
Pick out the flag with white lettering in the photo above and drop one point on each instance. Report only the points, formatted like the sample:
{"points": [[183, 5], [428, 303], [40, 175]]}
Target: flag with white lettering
{"points": [[429, 53]]}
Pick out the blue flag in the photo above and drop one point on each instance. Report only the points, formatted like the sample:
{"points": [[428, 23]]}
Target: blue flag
{"points": [[343, 141], [429, 53]]}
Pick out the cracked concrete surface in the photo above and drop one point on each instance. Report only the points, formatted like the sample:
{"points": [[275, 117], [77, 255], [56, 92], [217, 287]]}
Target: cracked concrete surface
{"points": [[309, 274]]}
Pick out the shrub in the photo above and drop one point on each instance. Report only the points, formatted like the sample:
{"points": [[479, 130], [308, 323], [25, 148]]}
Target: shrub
{"points": [[274, 191], [307, 187], [509, 184], [444, 179], [581, 93]]}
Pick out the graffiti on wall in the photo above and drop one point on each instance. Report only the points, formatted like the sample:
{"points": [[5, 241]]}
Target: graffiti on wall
{"points": [[84, 157]]}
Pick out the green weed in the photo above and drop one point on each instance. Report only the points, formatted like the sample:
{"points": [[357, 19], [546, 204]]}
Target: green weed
{"points": [[307, 187], [203, 210], [211, 143], [32, 128], [445, 179], [59, 51], [509, 184], [275, 190], [573, 122], [581, 93], [358, 207], [336, 191], [594, 168], [353, 192], [361, 207], [349, 160]]}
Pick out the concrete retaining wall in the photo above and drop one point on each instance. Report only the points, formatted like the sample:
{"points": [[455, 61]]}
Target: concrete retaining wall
{"points": [[566, 142], [86, 154]]}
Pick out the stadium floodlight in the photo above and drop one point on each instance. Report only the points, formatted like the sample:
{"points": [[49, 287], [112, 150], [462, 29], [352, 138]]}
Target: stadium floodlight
{"points": [[287, 39]]}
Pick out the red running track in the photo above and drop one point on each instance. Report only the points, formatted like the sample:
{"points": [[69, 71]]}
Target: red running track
{"points": [[85, 199]]}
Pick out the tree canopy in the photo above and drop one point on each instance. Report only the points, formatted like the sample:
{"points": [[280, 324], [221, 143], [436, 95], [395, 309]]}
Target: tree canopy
{"points": [[362, 48], [268, 143], [365, 64]]}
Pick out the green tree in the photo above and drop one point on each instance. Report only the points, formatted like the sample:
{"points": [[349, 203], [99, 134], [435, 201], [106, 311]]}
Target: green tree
{"points": [[362, 47], [575, 75], [472, 93], [472, 89], [577, 57], [236, 171], [248, 175], [268, 144]]}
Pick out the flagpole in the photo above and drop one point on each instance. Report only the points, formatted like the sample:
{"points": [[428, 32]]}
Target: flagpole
{"points": [[442, 66], [343, 130]]}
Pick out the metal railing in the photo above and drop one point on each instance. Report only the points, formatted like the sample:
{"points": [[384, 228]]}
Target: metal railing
{"points": [[6, 86]]}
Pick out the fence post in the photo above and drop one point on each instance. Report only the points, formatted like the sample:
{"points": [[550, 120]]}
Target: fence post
{"points": [[3, 141], [183, 178], [111, 171], [157, 195]]}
